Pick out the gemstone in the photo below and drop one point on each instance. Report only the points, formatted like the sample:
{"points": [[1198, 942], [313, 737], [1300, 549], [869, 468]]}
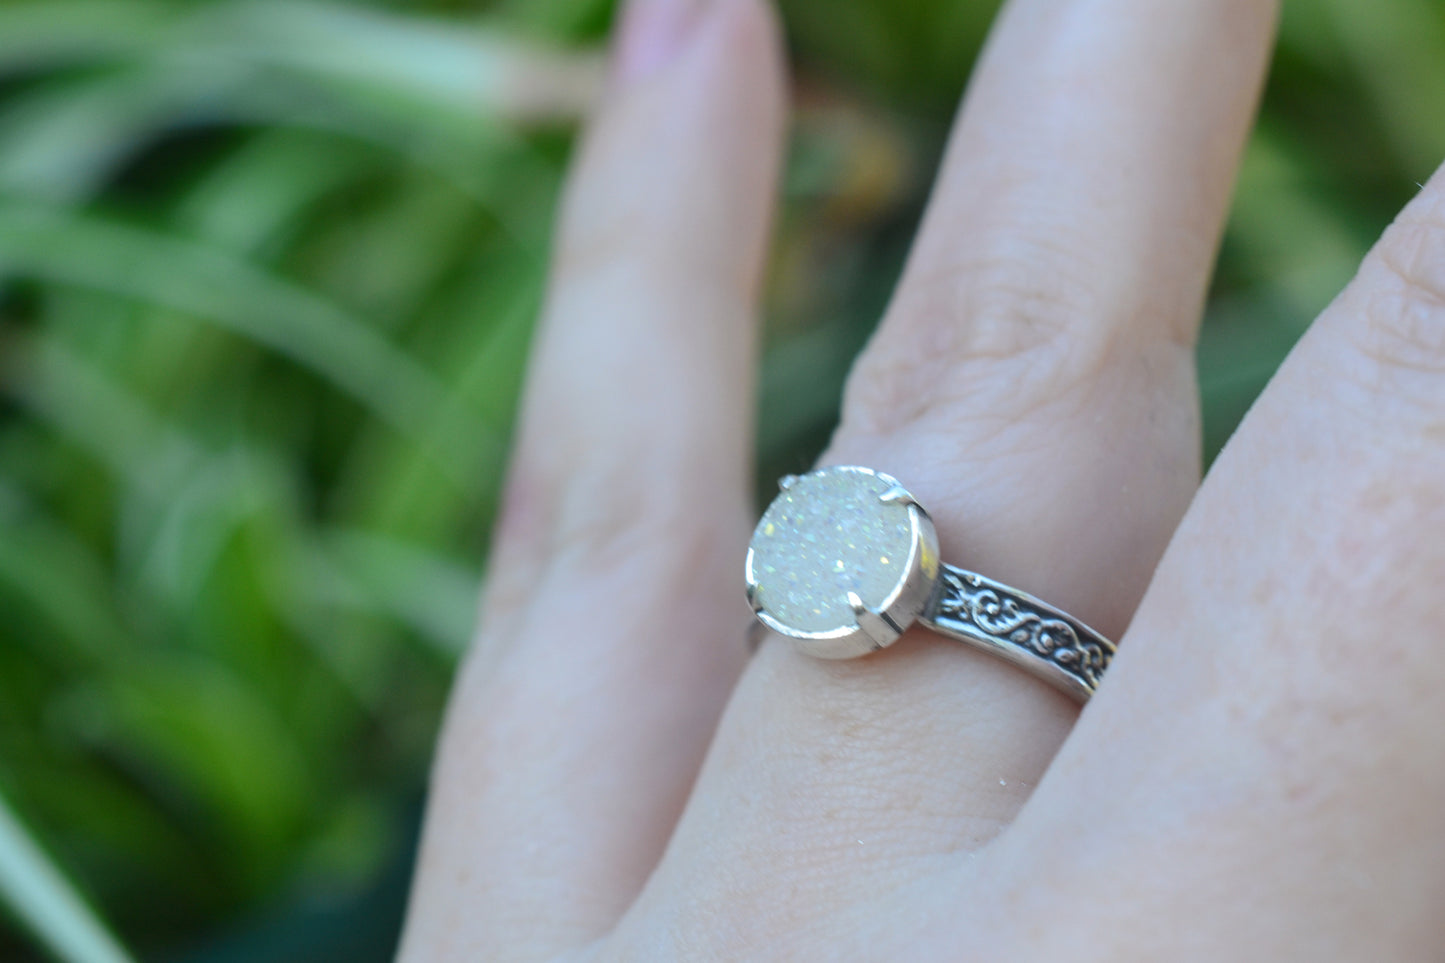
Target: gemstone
{"points": [[826, 535]]}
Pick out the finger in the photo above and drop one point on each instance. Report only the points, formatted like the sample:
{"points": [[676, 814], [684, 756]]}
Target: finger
{"points": [[610, 636], [1275, 714], [1045, 323], [1032, 383]]}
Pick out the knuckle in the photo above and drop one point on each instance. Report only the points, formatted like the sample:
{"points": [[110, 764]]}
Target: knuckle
{"points": [[998, 328], [1403, 324], [600, 257], [606, 530], [622, 526]]}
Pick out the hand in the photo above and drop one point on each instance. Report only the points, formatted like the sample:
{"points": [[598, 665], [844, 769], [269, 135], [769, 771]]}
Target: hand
{"points": [[1260, 777]]}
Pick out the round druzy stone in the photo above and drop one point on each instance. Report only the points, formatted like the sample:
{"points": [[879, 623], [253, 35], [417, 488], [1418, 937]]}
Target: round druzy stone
{"points": [[827, 535]]}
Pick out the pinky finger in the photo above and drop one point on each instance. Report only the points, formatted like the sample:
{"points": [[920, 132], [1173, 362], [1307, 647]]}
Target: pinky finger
{"points": [[612, 628]]}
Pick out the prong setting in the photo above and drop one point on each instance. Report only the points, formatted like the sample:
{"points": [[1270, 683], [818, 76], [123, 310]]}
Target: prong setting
{"points": [[879, 629], [898, 495], [752, 592], [843, 561]]}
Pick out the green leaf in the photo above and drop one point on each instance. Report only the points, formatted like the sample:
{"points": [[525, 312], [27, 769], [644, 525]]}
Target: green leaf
{"points": [[215, 286], [40, 896], [56, 33]]}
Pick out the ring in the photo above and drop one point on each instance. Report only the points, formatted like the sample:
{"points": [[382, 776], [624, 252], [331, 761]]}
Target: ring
{"points": [[845, 559]]}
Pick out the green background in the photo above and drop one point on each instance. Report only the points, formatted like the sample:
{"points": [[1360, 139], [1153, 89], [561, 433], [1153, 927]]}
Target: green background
{"points": [[267, 277]]}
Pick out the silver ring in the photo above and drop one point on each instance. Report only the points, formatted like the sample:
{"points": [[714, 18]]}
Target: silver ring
{"points": [[845, 560]]}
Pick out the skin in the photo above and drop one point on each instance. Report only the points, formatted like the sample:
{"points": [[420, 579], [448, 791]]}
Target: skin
{"points": [[1260, 777]]}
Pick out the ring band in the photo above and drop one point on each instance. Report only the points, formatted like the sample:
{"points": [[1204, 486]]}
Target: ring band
{"points": [[845, 559]]}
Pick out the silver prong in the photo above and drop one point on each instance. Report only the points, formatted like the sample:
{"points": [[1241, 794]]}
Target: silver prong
{"points": [[753, 597], [786, 482], [898, 494], [879, 629]]}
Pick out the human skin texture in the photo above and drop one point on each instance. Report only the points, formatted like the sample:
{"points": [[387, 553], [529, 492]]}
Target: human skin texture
{"points": [[1260, 777]]}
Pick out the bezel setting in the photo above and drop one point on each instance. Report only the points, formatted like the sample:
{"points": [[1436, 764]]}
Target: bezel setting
{"points": [[873, 627]]}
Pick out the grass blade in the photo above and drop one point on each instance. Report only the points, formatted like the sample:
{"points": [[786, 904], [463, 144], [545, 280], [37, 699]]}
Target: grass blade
{"points": [[210, 284], [43, 900]]}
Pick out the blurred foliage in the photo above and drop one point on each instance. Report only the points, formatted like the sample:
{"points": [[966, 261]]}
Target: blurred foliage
{"points": [[267, 277]]}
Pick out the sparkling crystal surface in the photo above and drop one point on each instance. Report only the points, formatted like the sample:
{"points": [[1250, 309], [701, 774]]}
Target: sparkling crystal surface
{"points": [[824, 537]]}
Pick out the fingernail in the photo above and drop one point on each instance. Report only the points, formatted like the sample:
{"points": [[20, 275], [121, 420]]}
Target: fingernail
{"points": [[652, 34]]}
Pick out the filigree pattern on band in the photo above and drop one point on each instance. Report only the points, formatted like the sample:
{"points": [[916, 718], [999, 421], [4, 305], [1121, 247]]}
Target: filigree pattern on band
{"points": [[1018, 626]]}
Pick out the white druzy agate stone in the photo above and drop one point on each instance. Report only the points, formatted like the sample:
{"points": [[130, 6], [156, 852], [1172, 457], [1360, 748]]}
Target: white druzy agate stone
{"points": [[826, 535]]}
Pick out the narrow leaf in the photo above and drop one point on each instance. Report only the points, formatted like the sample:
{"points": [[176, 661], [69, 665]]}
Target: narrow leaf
{"points": [[41, 897]]}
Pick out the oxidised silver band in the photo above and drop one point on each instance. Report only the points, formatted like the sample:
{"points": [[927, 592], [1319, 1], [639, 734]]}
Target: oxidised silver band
{"points": [[1014, 625]]}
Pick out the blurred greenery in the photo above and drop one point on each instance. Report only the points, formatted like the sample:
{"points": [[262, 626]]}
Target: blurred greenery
{"points": [[267, 277]]}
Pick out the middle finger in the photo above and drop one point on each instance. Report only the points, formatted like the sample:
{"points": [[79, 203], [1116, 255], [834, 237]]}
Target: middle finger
{"points": [[1033, 384]]}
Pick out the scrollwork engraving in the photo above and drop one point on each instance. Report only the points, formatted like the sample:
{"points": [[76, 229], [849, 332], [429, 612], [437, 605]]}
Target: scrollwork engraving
{"points": [[975, 606]]}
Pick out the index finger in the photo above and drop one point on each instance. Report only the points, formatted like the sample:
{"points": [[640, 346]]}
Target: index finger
{"points": [[1273, 721]]}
